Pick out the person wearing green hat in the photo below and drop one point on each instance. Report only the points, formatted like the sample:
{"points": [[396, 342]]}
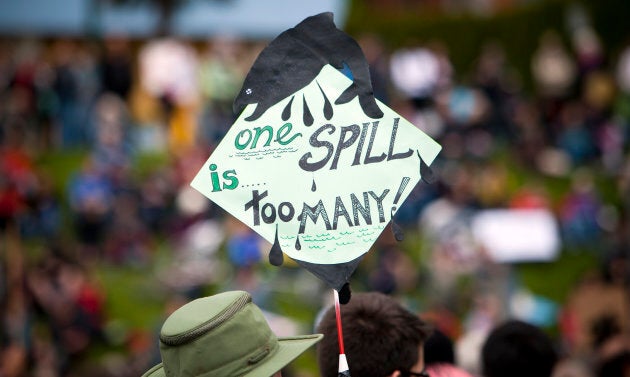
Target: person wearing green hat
{"points": [[224, 335]]}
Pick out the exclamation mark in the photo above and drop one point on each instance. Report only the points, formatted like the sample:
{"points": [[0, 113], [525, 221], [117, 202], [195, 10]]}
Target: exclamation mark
{"points": [[396, 230], [402, 187]]}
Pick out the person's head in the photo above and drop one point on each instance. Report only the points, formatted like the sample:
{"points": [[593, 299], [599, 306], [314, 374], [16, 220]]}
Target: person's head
{"points": [[221, 336], [381, 338], [516, 349], [438, 349]]}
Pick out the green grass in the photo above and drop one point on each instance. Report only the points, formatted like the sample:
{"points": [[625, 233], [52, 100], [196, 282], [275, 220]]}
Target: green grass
{"points": [[555, 280], [146, 163], [60, 166], [133, 296]]}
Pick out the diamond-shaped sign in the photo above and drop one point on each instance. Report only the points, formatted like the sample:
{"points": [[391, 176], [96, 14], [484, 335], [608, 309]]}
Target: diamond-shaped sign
{"points": [[326, 180]]}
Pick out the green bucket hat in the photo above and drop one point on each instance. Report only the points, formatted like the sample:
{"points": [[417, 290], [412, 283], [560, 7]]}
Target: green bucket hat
{"points": [[224, 335]]}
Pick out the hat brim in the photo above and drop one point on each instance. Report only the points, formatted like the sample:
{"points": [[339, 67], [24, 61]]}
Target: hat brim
{"points": [[156, 371], [288, 350]]}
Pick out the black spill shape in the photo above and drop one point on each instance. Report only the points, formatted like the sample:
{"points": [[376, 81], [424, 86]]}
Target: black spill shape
{"points": [[308, 117], [314, 185], [345, 294], [286, 113], [426, 173], [276, 257], [328, 110], [298, 246], [399, 235]]}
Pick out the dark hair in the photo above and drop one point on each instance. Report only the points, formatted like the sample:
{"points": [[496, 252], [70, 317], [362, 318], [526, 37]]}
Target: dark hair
{"points": [[516, 349], [380, 336], [438, 349], [615, 366]]}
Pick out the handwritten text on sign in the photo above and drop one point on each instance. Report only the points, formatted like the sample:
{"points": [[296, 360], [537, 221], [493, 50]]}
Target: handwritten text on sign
{"points": [[328, 189]]}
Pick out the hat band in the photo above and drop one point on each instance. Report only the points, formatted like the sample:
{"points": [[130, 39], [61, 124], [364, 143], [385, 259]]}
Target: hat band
{"points": [[196, 332]]}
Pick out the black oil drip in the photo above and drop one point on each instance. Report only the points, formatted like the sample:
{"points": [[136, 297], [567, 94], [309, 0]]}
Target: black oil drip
{"points": [[399, 235], [286, 113], [314, 185], [298, 246], [328, 109], [276, 257], [345, 294], [308, 117]]}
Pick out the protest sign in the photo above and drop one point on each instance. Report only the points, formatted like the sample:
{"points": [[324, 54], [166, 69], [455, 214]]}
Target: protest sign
{"points": [[314, 163], [326, 190]]}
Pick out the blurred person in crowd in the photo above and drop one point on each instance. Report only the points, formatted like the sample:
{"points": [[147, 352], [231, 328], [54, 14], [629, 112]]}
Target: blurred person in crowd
{"points": [[444, 224], [128, 240], [573, 367], [16, 175], [375, 55], [579, 210], [41, 213], [233, 336], [16, 320], [553, 68], [531, 196], [588, 49], [491, 184], [91, 198], [116, 67], [623, 69], [111, 152], [111, 149], [598, 93], [414, 72], [220, 76], [25, 62], [418, 75], [487, 310], [439, 356], [169, 73], [617, 267], [516, 349], [245, 249], [76, 84], [438, 349], [573, 135], [15, 342], [465, 111], [10, 203], [394, 272], [72, 304], [612, 348], [381, 337], [420, 72], [156, 193], [16, 164], [195, 236], [592, 299], [389, 269], [496, 81], [47, 106], [418, 97]]}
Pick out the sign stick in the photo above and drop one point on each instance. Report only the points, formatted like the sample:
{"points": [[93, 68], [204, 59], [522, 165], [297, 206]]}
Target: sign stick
{"points": [[344, 371]]}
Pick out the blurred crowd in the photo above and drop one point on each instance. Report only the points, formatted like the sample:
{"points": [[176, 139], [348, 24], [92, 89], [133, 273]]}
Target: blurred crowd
{"points": [[559, 143]]}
